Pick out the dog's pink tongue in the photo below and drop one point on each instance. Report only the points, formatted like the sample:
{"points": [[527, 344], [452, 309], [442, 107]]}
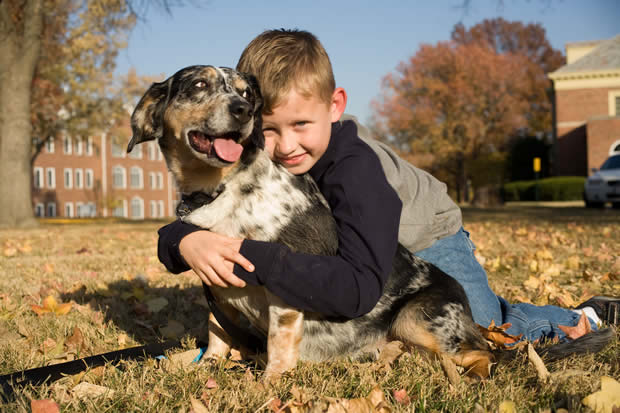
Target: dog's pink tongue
{"points": [[227, 149]]}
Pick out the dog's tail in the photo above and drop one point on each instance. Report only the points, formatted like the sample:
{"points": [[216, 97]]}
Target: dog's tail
{"points": [[590, 343]]}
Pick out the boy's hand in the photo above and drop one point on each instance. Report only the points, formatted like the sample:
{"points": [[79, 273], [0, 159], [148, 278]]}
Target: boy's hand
{"points": [[213, 256]]}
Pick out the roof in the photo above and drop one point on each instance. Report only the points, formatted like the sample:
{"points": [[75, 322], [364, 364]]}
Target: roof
{"points": [[606, 56]]}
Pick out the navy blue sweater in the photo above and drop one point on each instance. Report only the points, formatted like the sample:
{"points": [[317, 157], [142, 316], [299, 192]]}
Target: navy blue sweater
{"points": [[367, 213]]}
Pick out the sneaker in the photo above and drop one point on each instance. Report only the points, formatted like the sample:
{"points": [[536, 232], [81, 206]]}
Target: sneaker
{"points": [[607, 308]]}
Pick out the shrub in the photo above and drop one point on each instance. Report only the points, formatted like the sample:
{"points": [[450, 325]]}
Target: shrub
{"points": [[561, 188]]}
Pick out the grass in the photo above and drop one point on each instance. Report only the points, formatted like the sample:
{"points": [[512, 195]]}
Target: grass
{"points": [[110, 271]]}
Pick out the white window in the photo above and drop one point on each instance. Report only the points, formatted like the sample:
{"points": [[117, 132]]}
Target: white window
{"points": [[89, 178], [152, 182], [39, 210], [51, 209], [49, 144], [159, 154], [160, 180], [153, 209], [67, 145], [89, 146], [119, 177], [136, 178], [151, 150], [79, 210], [78, 146], [68, 178], [50, 175], [160, 208], [117, 150], [79, 178], [136, 152], [119, 208], [137, 208], [91, 209], [37, 177], [69, 209]]}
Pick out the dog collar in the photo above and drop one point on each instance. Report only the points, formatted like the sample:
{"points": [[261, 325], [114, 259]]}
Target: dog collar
{"points": [[195, 200]]}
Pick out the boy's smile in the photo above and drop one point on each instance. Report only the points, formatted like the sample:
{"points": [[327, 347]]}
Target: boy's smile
{"points": [[297, 132]]}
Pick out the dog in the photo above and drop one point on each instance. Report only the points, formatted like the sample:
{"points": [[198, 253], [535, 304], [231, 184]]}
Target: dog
{"points": [[207, 121]]}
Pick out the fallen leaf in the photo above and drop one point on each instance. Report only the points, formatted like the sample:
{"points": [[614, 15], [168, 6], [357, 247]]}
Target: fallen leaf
{"points": [[198, 406], [507, 406], [498, 335], [44, 406], [76, 341], [582, 328], [211, 383], [86, 390], [155, 305], [10, 252], [401, 396], [391, 352], [541, 370], [50, 305], [174, 329], [606, 400]]}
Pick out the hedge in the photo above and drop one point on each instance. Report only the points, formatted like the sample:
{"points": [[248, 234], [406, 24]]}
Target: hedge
{"points": [[561, 188]]}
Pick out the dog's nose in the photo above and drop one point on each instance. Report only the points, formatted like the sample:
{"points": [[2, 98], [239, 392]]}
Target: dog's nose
{"points": [[240, 110]]}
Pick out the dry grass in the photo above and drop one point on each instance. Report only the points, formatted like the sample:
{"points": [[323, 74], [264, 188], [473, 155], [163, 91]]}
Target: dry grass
{"points": [[111, 273]]}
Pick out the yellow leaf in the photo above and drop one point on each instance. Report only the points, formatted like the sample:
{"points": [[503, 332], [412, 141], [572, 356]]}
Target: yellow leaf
{"points": [[10, 252], [605, 400], [573, 262], [544, 254], [507, 406]]}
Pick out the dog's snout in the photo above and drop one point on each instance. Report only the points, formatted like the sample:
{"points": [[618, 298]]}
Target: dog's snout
{"points": [[240, 110]]}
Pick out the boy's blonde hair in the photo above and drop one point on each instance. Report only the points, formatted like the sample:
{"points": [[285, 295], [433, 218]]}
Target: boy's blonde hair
{"points": [[285, 59]]}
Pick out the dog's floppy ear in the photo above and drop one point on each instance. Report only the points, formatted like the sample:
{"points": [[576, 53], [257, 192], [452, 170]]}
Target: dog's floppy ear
{"points": [[147, 117], [257, 137]]}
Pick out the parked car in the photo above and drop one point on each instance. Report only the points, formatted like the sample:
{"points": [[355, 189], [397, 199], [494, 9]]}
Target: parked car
{"points": [[604, 184]]}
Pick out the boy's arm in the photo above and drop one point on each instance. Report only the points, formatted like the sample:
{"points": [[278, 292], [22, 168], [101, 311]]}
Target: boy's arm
{"points": [[170, 237]]}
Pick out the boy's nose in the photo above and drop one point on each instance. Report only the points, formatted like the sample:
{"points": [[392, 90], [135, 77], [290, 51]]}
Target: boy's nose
{"points": [[286, 144]]}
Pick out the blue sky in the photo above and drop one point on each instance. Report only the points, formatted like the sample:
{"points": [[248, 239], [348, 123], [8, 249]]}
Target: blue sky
{"points": [[365, 39]]}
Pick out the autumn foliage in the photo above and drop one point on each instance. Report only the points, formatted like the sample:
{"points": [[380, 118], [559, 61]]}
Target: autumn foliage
{"points": [[460, 100]]}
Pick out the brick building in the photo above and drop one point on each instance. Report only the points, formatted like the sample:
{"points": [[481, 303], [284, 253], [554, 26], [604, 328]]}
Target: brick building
{"points": [[94, 177], [587, 106]]}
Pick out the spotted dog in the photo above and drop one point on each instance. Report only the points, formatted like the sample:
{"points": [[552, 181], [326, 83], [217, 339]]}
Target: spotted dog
{"points": [[207, 121]]}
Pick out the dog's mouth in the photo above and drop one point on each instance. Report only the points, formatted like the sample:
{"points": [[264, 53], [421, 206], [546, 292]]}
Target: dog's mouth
{"points": [[224, 147]]}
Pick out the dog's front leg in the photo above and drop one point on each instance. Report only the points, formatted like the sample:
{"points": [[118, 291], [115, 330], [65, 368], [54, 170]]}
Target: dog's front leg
{"points": [[286, 326], [219, 341]]}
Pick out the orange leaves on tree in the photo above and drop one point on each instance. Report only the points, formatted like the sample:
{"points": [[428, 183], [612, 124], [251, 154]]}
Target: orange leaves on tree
{"points": [[50, 305]]}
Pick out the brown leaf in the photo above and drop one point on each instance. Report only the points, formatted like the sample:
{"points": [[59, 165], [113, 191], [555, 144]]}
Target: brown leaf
{"points": [[582, 328], [211, 383], [401, 396], [76, 341], [391, 352], [44, 406], [498, 336]]}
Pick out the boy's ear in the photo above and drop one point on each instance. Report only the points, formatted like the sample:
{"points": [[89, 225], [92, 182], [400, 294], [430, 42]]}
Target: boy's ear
{"points": [[338, 104], [147, 118], [257, 137]]}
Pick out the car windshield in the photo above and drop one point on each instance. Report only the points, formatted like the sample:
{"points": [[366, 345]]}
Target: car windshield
{"points": [[613, 162]]}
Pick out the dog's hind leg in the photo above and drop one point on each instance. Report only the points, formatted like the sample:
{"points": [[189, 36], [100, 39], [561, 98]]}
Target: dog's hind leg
{"points": [[285, 335], [438, 319], [219, 341]]}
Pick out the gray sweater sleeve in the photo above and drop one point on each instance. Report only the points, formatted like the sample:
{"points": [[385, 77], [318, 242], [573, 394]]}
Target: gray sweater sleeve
{"points": [[428, 212]]}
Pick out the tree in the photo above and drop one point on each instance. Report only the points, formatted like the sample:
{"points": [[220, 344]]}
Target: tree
{"points": [[56, 63], [458, 102], [529, 40]]}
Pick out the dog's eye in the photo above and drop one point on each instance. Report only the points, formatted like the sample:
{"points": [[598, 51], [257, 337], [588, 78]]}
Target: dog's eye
{"points": [[245, 94], [201, 84]]}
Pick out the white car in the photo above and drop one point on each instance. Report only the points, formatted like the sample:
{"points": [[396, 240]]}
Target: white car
{"points": [[604, 184]]}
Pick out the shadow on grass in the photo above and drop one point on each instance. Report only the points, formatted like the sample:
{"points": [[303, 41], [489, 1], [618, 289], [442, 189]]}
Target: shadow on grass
{"points": [[125, 304]]}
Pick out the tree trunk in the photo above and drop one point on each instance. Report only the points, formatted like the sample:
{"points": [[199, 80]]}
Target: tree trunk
{"points": [[20, 48]]}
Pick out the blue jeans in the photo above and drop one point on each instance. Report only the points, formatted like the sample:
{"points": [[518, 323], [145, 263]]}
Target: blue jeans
{"points": [[454, 255]]}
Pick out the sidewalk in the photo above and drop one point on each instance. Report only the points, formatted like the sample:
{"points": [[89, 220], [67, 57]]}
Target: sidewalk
{"points": [[547, 204]]}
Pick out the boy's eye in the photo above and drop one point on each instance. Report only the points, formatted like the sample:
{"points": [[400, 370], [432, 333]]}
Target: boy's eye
{"points": [[301, 123]]}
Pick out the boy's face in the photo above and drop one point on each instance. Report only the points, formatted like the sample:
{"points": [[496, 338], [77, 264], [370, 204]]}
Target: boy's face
{"points": [[297, 132]]}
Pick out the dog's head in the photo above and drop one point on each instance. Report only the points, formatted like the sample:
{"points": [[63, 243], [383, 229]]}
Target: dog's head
{"points": [[203, 113]]}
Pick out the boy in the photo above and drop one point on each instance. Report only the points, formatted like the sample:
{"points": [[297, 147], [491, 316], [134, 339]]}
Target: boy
{"points": [[375, 197]]}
